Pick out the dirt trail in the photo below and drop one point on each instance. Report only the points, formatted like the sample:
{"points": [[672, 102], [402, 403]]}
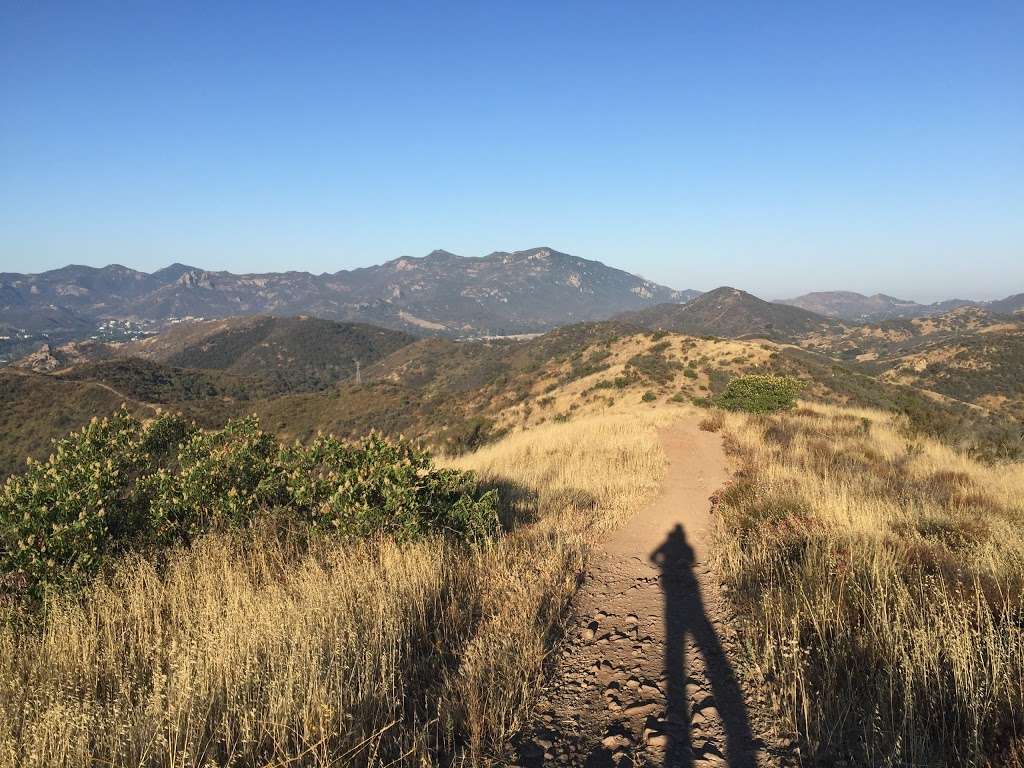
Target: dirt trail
{"points": [[645, 677]]}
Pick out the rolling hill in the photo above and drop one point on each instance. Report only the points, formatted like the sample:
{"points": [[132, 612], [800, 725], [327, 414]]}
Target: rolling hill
{"points": [[36, 408], [1008, 306], [298, 353], [732, 313], [848, 305], [295, 375]]}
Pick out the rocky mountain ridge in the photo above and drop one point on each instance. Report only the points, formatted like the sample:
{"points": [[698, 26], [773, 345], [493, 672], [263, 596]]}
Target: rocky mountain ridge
{"points": [[440, 293]]}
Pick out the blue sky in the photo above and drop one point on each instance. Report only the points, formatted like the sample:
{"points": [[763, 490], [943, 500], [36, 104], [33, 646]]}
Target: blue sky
{"points": [[778, 147]]}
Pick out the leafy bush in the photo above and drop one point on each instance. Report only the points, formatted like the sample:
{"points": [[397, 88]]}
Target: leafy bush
{"points": [[225, 476], [760, 393], [649, 397], [469, 434], [119, 485], [58, 520], [381, 485]]}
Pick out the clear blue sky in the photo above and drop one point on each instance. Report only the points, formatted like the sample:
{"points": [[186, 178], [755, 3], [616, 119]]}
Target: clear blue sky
{"points": [[779, 147]]}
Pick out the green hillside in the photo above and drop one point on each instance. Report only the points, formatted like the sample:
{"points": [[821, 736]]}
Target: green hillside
{"points": [[35, 409], [291, 354]]}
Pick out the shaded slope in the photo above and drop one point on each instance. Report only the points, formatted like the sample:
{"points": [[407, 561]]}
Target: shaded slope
{"points": [[732, 313], [35, 409], [300, 354]]}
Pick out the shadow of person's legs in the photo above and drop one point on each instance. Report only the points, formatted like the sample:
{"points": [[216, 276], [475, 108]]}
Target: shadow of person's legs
{"points": [[684, 615]]}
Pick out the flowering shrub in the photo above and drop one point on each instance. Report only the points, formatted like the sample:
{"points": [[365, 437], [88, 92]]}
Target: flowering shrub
{"points": [[384, 485], [222, 477], [119, 485]]}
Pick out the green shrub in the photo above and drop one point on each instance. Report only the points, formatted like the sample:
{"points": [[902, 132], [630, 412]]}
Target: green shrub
{"points": [[383, 486], [59, 518], [653, 365], [649, 397], [469, 434], [226, 476], [118, 485], [580, 367], [760, 393]]}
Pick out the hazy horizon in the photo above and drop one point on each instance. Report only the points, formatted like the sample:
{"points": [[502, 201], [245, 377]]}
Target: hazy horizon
{"points": [[876, 149], [866, 292]]}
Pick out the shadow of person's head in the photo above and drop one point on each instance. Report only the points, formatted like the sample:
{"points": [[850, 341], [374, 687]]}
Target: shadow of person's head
{"points": [[674, 554]]}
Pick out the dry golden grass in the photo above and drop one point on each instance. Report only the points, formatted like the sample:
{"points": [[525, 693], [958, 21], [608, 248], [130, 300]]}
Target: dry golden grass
{"points": [[259, 648], [598, 468], [554, 397], [880, 581]]}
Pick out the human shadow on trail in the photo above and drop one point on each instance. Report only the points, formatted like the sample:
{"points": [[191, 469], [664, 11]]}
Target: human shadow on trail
{"points": [[685, 618]]}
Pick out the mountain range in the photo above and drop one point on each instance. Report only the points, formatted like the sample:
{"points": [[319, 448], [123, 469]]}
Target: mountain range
{"points": [[848, 305], [503, 293]]}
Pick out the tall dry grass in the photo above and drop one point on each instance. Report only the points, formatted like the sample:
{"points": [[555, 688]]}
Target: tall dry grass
{"points": [[880, 579], [259, 649], [598, 468]]}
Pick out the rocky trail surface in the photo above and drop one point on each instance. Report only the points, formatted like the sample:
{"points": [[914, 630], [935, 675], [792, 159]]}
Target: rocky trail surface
{"points": [[645, 678]]}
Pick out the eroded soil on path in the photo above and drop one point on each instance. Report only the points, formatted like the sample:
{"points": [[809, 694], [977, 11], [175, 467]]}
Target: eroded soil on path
{"points": [[645, 678]]}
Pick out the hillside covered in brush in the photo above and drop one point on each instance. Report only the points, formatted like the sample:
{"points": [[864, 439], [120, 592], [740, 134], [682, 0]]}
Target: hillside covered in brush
{"points": [[298, 376], [733, 313], [299, 353], [258, 539]]}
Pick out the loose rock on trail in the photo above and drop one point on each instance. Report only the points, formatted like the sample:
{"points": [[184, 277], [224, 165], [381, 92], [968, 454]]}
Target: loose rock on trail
{"points": [[645, 677]]}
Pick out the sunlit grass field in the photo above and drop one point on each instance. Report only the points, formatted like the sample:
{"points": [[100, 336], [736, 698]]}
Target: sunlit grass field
{"points": [[879, 576]]}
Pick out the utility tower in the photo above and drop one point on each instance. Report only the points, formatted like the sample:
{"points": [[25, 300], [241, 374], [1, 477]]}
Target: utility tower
{"points": [[359, 375]]}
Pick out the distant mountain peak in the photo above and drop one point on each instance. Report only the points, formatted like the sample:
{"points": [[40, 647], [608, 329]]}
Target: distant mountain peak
{"points": [[439, 254], [172, 272], [196, 278], [730, 312], [728, 293]]}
